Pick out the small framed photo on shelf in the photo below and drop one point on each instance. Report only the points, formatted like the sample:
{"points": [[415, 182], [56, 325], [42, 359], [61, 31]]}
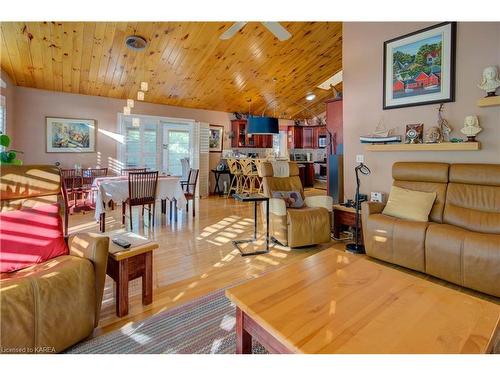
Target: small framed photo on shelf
{"points": [[216, 138], [414, 133], [419, 68], [70, 135]]}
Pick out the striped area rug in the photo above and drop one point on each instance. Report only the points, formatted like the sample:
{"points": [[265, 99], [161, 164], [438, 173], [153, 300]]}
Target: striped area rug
{"points": [[203, 326]]}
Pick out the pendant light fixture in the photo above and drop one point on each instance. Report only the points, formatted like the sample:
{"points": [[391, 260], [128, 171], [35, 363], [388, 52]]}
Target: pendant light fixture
{"points": [[136, 122], [130, 103], [144, 86], [264, 124], [140, 95], [126, 110]]}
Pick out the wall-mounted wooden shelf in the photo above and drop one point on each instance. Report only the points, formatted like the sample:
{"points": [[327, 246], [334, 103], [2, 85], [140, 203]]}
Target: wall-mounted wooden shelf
{"points": [[448, 146], [489, 101]]}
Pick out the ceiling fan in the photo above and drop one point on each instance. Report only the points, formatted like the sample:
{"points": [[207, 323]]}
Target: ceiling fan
{"points": [[274, 27]]}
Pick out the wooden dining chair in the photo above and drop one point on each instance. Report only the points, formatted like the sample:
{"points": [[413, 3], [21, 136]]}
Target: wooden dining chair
{"points": [[189, 187], [72, 185], [126, 171], [88, 177], [141, 192]]}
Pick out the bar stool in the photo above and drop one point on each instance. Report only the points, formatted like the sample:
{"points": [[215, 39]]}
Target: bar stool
{"points": [[237, 179], [250, 175], [258, 180]]}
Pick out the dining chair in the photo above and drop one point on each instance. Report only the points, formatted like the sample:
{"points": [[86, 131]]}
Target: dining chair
{"points": [[237, 176], [185, 168], [71, 184], [189, 188], [88, 177], [126, 171], [141, 192]]}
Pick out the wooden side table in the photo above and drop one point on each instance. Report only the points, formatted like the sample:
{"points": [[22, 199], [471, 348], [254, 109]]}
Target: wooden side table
{"points": [[125, 265], [345, 216]]}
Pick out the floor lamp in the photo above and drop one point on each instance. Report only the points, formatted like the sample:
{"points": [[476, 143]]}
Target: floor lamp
{"points": [[356, 247]]}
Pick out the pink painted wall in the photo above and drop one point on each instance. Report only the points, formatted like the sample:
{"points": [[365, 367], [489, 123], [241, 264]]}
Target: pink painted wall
{"points": [[33, 105], [478, 45]]}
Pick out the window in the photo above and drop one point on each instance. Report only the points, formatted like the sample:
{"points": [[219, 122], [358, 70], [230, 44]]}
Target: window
{"points": [[141, 144], [3, 117]]}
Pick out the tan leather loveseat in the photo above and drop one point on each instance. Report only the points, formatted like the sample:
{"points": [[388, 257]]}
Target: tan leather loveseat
{"points": [[295, 227], [49, 306], [461, 241]]}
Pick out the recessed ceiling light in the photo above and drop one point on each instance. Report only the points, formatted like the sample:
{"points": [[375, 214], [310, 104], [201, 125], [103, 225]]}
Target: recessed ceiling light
{"points": [[310, 96]]}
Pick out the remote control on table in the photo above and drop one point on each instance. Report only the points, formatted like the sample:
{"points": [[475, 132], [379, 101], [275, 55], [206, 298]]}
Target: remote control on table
{"points": [[121, 243]]}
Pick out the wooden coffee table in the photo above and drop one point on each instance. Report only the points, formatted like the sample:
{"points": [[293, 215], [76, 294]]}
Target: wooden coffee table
{"points": [[129, 264], [335, 302]]}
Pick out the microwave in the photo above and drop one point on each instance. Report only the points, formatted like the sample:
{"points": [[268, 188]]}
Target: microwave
{"points": [[322, 141]]}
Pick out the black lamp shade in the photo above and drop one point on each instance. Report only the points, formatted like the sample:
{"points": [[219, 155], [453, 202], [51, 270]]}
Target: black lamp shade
{"points": [[262, 125]]}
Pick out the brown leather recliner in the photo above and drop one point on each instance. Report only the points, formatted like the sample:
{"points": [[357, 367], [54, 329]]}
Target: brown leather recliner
{"points": [[51, 305], [461, 241], [295, 227]]}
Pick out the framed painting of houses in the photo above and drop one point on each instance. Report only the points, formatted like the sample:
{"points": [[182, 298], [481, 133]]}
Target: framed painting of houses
{"points": [[70, 135], [419, 68], [216, 138]]}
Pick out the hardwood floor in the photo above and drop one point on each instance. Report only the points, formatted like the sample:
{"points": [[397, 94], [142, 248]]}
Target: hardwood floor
{"points": [[195, 257]]}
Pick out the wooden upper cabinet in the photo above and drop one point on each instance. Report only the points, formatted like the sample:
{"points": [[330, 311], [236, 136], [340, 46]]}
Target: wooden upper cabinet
{"points": [[334, 121], [242, 139], [319, 131], [294, 137], [238, 128], [308, 137]]}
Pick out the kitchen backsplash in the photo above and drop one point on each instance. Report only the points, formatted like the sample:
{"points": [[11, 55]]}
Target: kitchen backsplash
{"points": [[317, 154]]}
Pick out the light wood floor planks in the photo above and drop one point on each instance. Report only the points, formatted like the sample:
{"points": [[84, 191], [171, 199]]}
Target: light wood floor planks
{"points": [[196, 257]]}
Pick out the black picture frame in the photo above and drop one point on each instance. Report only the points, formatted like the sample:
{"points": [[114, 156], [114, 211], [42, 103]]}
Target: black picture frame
{"points": [[448, 45]]}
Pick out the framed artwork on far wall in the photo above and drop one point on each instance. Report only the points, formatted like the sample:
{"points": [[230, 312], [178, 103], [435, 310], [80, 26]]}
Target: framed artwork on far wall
{"points": [[419, 68], [216, 138], [70, 135]]}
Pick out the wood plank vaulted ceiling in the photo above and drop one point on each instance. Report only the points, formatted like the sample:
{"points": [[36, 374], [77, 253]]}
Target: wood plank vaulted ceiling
{"points": [[185, 64]]}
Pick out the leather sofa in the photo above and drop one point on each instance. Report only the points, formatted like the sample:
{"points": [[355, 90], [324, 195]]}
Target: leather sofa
{"points": [[48, 306], [461, 241], [295, 227]]}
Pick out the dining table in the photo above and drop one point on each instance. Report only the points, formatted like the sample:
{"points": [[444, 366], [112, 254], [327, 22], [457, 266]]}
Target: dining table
{"points": [[115, 189]]}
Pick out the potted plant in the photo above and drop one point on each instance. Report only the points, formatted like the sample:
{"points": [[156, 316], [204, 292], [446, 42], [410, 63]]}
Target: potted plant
{"points": [[8, 156]]}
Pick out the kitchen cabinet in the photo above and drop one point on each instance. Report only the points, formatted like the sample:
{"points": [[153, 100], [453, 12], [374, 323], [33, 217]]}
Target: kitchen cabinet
{"points": [[335, 172], [242, 139], [319, 131], [309, 175], [304, 136], [308, 137], [306, 174], [294, 137]]}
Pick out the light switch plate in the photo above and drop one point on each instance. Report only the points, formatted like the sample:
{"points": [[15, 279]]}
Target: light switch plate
{"points": [[360, 158]]}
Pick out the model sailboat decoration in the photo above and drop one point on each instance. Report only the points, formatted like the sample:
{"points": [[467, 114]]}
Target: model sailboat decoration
{"points": [[380, 135]]}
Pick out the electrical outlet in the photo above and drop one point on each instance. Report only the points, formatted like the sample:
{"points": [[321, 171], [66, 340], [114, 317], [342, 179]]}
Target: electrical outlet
{"points": [[360, 158]]}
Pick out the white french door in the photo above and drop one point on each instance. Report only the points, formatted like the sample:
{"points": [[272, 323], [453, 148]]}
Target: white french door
{"points": [[159, 143], [176, 146]]}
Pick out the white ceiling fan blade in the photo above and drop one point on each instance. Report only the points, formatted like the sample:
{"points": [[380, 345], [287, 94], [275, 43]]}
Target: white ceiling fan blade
{"points": [[279, 31], [235, 27]]}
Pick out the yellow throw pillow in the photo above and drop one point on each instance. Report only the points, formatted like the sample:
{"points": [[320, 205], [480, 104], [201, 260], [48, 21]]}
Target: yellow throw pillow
{"points": [[409, 204]]}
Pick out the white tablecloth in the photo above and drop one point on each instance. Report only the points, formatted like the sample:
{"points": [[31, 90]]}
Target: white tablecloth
{"points": [[116, 189]]}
